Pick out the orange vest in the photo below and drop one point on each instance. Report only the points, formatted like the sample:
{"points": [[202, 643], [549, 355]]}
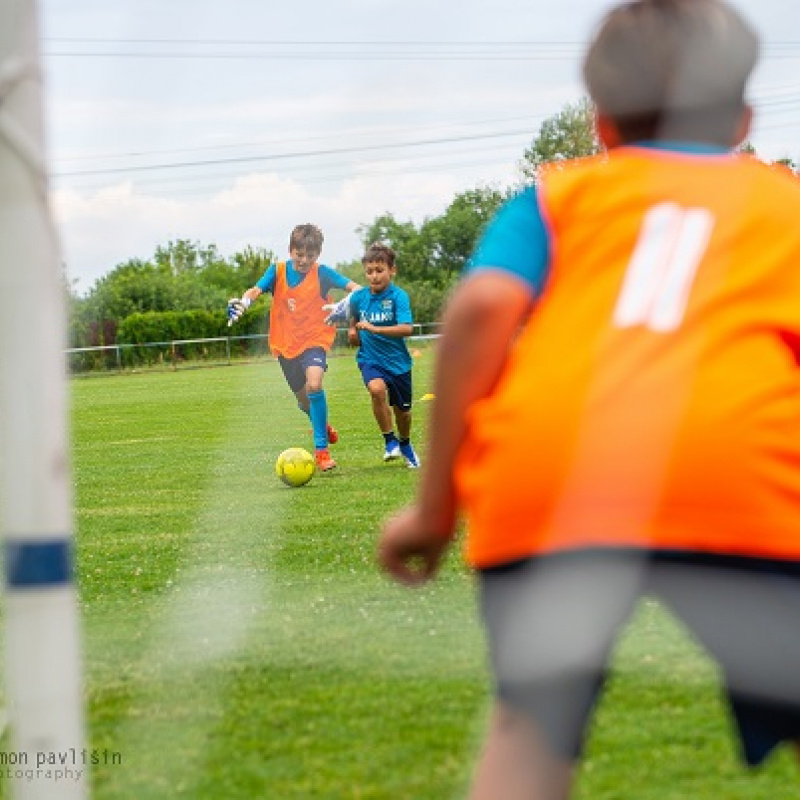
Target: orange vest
{"points": [[297, 320], [653, 397]]}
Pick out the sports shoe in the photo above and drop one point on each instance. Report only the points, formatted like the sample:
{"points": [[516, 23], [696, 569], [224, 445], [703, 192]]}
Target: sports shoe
{"points": [[333, 435], [412, 462], [324, 460], [392, 451]]}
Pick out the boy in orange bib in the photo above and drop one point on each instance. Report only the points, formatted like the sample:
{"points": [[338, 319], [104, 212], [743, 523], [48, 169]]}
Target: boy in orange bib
{"points": [[298, 332], [617, 404]]}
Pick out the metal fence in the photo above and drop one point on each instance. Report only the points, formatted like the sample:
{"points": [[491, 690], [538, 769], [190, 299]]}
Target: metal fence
{"points": [[191, 353]]}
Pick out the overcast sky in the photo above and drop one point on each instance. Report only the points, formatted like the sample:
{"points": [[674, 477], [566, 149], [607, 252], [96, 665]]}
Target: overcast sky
{"points": [[229, 123]]}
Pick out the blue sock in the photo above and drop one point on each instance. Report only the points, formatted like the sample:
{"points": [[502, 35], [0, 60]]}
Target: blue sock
{"points": [[318, 411]]}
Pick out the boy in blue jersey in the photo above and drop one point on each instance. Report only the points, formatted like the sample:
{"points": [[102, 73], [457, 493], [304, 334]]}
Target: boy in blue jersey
{"points": [[298, 333], [380, 321]]}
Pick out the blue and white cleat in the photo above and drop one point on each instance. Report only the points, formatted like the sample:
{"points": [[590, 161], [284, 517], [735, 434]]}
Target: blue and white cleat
{"points": [[407, 451], [392, 451]]}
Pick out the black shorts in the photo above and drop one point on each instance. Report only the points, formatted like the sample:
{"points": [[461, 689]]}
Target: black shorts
{"points": [[552, 623], [294, 369], [399, 387]]}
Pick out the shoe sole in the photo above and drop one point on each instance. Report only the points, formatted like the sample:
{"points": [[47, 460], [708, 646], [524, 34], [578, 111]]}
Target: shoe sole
{"points": [[409, 463], [327, 465]]}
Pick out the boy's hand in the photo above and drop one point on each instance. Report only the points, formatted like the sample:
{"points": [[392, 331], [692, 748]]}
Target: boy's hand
{"points": [[365, 325], [409, 549], [338, 312], [237, 307], [353, 338]]}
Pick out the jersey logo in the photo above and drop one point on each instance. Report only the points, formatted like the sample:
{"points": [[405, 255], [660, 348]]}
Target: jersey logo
{"points": [[292, 303], [671, 244]]}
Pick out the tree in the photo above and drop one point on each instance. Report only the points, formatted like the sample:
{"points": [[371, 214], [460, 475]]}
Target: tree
{"points": [[183, 276], [569, 134], [440, 247], [251, 263], [785, 164], [788, 163], [402, 237], [452, 237]]}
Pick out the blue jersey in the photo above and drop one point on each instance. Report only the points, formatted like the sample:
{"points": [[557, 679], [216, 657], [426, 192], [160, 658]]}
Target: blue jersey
{"points": [[328, 278], [390, 307]]}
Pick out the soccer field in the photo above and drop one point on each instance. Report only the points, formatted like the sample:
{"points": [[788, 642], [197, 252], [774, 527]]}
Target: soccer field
{"points": [[240, 643]]}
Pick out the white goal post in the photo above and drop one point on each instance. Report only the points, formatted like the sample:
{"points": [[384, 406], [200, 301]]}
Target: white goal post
{"points": [[42, 687]]}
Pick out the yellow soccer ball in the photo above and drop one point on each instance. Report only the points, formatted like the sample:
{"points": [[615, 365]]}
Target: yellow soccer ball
{"points": [[295, 467]]}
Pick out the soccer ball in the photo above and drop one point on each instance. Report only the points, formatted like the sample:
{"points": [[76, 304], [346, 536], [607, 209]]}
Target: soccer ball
{"points": [[295, 467]]}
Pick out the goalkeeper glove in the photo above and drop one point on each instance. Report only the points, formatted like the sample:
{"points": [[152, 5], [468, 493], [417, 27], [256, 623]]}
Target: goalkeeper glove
{"points": [[236, 308], [338, 312]]}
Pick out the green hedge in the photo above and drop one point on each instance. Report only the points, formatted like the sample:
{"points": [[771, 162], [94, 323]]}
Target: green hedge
{"points": [[167, 326], [152, 327]]}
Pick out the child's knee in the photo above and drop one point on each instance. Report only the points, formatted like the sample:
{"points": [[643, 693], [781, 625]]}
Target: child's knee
{"points": [[314, 384], [377, 389]]}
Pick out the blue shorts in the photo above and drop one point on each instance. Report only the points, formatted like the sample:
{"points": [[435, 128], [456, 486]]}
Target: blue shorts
{"points": [[552, 623], [294, 369], [398, 386]]}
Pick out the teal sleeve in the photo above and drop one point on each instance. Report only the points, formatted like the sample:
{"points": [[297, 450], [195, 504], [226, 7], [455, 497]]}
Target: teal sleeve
{"points": [[517, 240], [267, 281], [331, 279], [402, 308]]}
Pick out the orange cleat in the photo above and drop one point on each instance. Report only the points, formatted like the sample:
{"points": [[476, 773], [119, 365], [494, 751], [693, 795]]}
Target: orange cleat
{"points": [[324, 460], [333, 435]]}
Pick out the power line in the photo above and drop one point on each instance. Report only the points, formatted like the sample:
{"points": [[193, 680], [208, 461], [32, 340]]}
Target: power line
{"points": [[351, 42], [347, 133], [355, 57], [280, 156], [391, 165], [325, 42], [173, 187], [770, 101], [349, 50]]}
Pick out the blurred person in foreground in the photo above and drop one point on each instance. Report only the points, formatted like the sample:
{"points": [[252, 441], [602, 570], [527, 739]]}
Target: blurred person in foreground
{"points": [[617, 406]]}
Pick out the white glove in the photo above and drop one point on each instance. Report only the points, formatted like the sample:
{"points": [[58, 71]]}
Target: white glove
{"points": [[338, 312], [236, 308]]}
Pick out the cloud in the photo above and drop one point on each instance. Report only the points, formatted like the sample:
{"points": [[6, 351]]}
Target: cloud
{"points": [[105, 228]]}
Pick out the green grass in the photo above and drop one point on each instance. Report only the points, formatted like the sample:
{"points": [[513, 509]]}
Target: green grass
{"points": [[240, 643]]}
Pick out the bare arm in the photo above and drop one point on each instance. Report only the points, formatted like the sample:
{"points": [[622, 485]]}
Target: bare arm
{"points": [[480, 323], [393, 331], [253, 293]]}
